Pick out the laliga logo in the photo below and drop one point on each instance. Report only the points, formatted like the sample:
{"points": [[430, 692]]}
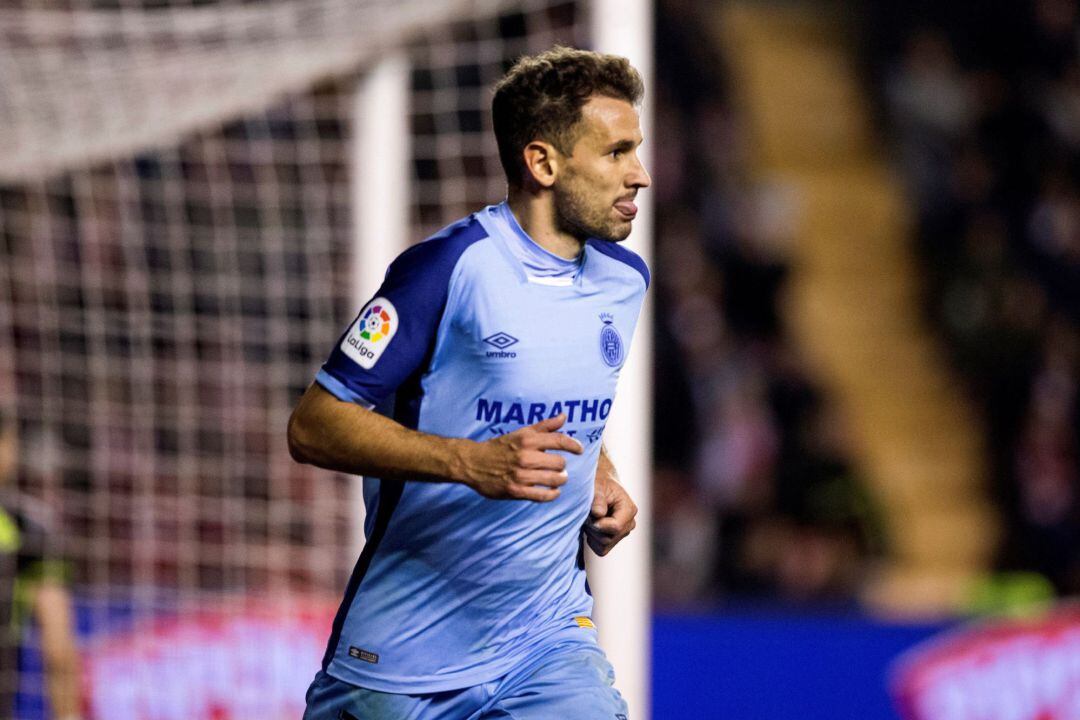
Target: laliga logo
{"points": [[375, 324], [371, 333]]}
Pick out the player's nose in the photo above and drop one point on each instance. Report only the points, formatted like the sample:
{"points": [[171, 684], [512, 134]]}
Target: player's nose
{"points": [[639, 176]]}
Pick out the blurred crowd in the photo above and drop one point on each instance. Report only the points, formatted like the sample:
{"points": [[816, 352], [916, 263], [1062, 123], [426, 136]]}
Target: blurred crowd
{"points": [[756, 491], [756, 496], [981, 103]]}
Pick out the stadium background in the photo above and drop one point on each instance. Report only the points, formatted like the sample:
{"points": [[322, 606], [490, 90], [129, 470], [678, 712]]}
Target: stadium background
{"points": [[864, 375]]}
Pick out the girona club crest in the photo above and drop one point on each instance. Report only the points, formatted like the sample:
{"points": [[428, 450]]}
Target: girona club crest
{"points": [[611, 344]]}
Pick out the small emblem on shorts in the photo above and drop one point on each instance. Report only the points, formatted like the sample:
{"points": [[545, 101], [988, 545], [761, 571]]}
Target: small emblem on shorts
{"points": [[611, 346], [364, 655], [584, 622], [620, 716]]}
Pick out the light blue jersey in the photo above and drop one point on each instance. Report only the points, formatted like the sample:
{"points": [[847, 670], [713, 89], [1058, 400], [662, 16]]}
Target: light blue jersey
{"points": [[477, 332]]}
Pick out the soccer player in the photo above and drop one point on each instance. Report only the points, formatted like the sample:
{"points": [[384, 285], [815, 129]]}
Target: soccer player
{"points": [[501, 339], [32, 584]]}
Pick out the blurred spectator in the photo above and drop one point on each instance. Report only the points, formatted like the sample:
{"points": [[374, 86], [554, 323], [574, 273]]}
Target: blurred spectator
{"points": [[933, 107], [1047, 470], [737, 455], [749, 500], [32, 579], [1054, 38], [989, 133], [685, 539]]}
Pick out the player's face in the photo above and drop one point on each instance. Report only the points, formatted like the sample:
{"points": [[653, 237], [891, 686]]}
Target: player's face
{"points": [[597, 183]]}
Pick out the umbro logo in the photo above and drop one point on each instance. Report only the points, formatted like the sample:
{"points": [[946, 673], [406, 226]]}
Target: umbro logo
{"points": [[501, 341]]}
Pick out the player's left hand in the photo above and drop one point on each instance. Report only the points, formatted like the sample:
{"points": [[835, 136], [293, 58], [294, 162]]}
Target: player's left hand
{"points": [[612, 515]]}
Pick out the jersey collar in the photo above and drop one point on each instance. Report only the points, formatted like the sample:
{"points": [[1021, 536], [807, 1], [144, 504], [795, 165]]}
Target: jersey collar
{"points": [[539, 266]]}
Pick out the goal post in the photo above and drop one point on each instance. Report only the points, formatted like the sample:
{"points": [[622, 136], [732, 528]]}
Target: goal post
{"points": [[379, 180], [621, 581]]}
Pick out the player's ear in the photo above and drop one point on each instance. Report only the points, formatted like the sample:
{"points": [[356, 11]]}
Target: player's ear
{"points": [[541, 162]]}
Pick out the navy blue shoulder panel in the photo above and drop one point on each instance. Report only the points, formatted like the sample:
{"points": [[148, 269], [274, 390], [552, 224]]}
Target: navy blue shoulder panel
{"points": [[624, 255], [417, 285], [434, 258]]}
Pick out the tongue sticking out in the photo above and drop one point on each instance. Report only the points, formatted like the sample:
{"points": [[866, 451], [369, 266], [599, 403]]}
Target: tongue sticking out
{"points": [[626, 207]]}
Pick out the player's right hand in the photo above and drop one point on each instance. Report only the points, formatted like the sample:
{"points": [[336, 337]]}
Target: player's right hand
{"points": [[520, 465]]}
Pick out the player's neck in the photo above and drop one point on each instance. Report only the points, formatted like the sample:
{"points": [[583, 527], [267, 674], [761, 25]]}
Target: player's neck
{"points": [[536, 216]]}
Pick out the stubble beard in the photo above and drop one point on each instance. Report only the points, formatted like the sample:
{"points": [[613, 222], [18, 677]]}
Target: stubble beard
{"points": [[577, 216]]}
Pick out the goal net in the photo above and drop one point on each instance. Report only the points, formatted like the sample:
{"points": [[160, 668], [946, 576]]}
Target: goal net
{"points": [[175, 234]]}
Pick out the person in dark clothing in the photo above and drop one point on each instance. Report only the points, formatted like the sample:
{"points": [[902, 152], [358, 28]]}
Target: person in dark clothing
{"points": [[32, 586]]}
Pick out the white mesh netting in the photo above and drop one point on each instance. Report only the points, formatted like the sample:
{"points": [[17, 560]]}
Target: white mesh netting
{"points": [[174, 232], [101, 80]]}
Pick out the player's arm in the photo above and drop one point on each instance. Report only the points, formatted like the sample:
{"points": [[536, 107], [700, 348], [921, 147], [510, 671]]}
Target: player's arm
{"points": [[343, 436], [613, 511], [55, 619]]}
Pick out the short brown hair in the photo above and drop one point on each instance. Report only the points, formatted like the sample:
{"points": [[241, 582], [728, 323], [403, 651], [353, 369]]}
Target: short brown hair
{"points": [[541, 97]]}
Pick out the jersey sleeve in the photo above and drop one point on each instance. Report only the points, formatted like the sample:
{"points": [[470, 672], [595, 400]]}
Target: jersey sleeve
{"points": [[394, 334], [39, 555]]}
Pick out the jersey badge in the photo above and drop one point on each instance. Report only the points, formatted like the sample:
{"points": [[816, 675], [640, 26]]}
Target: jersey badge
{"points": [[501, 341], [365, 655], [371, 333], [611, 345]]}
